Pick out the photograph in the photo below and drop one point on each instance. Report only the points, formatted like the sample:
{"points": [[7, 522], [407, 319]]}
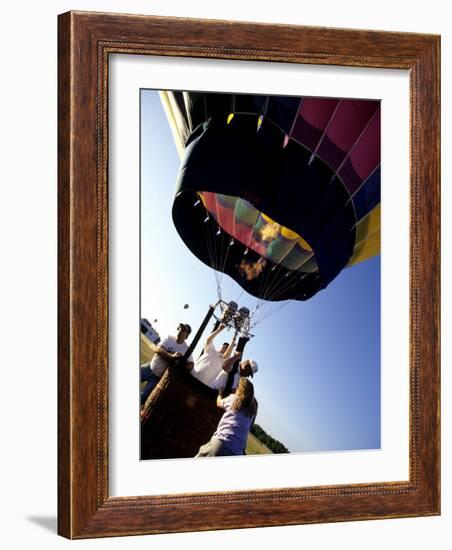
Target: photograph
{"points": [[248, 273], [260, 286]]}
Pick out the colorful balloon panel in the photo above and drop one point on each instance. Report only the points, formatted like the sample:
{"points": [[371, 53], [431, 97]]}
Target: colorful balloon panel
{"points": [[238, 218]]}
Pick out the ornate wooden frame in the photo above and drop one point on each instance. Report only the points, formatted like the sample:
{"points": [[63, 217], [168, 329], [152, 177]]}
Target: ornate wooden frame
{"points": [[85, 42]]}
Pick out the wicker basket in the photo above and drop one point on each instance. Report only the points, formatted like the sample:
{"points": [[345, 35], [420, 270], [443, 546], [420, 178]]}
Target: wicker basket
{"points": [[179, 416]]}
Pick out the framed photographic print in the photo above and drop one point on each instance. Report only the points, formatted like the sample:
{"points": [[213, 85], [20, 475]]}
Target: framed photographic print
{"points": [[248, 275]]}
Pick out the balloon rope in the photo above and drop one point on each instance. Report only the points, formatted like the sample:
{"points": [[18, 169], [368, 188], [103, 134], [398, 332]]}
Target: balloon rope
{"points": [[225, 246], [214, 241], [217, 259], [228, 246], [269, 314], [292, 280], [275, 280], [207, 239], [240, 295], [262, 303], [221, 237], [220, 258], [266, 306], [219, 251], [207, 231], [259, 300], [272, 282]]}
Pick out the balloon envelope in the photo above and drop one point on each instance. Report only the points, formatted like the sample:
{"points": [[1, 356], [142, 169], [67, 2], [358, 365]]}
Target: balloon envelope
{"points": [[281, 193]]}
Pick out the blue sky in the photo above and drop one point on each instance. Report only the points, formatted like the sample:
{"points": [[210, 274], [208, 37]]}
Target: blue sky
{"points": [[318, 384]]}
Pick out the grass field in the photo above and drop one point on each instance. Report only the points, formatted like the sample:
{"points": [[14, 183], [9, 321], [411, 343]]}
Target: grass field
{"points": [[147, 349], [255, 447]]}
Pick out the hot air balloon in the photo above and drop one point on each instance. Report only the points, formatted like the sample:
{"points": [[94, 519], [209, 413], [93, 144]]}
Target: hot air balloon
{"points": [[280, 193]]}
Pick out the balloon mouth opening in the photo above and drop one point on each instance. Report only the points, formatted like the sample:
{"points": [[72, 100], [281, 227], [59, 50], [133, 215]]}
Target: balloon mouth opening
{"points": [[274, 243]]}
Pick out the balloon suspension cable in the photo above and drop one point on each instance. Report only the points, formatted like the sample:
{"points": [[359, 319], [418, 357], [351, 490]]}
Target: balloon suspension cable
{"points": [[222, 267], [270, 313], [221, 252], [268, 284], [210, 240], [292, 280], [265, 305], [273, 284], [289, 281], [218, 251]]}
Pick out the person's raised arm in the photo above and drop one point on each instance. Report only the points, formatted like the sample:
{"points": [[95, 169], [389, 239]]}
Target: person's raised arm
{"points": [[220, 399], [215, 333], [229, 363], [230, 347]]}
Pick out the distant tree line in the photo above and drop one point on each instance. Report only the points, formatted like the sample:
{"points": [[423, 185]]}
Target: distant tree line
{"points": [[274, 445]]}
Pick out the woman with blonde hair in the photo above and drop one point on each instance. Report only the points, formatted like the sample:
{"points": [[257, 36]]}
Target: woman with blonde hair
{"points": [[232, 431]]}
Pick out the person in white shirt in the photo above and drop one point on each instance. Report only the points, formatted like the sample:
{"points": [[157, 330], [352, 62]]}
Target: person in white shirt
{"points": [[209, 367], [168, 351]]}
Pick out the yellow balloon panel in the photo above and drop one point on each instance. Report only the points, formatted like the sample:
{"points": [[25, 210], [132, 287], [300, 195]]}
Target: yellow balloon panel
{"points": [[368, 225], [366, 249]]}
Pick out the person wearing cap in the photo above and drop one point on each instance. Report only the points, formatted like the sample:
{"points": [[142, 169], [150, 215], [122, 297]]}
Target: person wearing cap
{"points": [[167, 352], [209, 367], [228, 382]]}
